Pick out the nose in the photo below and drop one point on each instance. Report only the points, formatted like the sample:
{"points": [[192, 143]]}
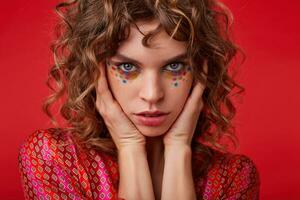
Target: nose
{"points": [[151, 89]]}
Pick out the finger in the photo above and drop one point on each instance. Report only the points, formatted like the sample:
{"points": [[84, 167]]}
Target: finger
{"points": [[198, 87], [103, 91], [106, 103], [194, 101], [192, 107]]}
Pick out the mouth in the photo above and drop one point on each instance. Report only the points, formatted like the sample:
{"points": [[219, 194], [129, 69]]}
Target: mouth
{"points": [[148, 118]]}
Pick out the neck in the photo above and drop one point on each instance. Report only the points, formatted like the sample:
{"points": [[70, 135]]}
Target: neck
{"points": [[155, 156], [155, 150]]}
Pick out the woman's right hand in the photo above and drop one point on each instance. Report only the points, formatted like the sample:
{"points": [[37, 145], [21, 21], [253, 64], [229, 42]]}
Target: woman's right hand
{"points": [[121, 129]]}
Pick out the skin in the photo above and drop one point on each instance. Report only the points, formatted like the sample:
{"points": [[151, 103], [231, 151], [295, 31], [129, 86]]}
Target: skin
{"points": [[154, 162], [153, 84]]}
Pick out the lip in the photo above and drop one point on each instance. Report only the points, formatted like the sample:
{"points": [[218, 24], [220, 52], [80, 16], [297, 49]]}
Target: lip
{"points": [[155, 112], [151, 121]]}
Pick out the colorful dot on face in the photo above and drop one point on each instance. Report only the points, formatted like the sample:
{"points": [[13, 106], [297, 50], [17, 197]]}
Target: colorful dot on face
{"points": [[124, 81], [126, 75], [180, 76]]}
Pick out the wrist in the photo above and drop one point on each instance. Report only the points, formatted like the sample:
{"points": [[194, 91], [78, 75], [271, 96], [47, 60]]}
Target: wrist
{"points": [[178, 149], [176, 142], [132, 148]]}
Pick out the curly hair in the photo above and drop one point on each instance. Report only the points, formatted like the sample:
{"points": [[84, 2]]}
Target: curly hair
{"points": [[91, 31]]}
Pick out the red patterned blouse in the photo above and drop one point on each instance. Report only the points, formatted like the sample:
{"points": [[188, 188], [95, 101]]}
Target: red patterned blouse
{"points": [[52, 166]]}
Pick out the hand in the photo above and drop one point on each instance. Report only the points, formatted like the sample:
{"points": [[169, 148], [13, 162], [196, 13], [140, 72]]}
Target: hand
{"points": [[182, 131], [122, 130]]}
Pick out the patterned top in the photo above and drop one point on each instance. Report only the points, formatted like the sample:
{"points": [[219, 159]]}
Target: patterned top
{"points": [[52, 166]]}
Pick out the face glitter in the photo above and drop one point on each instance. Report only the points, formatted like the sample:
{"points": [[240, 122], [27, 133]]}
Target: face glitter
{"points": [[178, 76], [123, 76]]}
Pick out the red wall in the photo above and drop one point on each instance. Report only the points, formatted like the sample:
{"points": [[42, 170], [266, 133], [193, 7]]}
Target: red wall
{"points": [[267, 121]]}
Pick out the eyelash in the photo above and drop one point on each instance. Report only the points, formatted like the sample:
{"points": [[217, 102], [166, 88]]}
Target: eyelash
{"points": [[118, 65]]}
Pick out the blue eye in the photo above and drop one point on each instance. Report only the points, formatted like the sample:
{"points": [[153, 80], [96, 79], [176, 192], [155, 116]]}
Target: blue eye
{"points": [[127, 67], [175, 67]]}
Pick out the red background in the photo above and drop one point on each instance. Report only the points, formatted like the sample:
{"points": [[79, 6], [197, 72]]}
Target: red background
{"points": [[267, 121]]}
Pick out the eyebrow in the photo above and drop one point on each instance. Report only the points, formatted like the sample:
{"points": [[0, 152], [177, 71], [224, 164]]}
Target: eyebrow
{"points": [[124, 58]]}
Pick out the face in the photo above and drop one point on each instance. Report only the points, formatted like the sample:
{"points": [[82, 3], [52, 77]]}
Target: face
{"points": [[150, 79]]}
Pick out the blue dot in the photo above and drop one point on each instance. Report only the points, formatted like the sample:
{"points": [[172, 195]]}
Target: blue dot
{"points": [[176, 84], [124, 81]]}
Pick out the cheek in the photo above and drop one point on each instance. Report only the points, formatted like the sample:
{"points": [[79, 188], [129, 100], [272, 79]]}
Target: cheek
{"points": [[178, 90], [118, 85], [178, 94]]}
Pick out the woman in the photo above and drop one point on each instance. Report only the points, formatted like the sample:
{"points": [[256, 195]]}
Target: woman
{"points": [[146, 90]]}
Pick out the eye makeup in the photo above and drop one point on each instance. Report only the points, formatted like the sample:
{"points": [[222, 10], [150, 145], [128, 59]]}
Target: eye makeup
{"points": [[176, 77], [127, 71], [122, 75]]}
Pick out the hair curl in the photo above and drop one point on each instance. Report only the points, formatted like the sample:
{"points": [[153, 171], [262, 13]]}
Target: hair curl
{"points": [[91, 30]]}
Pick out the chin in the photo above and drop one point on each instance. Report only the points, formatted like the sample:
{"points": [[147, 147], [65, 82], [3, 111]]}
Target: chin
{"points": [[149, 131]]}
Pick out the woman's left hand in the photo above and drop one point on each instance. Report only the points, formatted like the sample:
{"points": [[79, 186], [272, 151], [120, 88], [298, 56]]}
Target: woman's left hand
{"points": [[182, 130]]}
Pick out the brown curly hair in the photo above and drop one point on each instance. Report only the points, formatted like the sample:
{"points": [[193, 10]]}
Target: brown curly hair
{"points": [[91, 30]]}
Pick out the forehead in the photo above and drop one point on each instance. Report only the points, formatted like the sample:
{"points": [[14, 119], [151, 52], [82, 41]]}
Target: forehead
{"points": [[161, 43]]}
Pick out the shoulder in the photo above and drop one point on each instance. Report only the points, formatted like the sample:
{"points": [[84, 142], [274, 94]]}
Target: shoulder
{"points": [[59, 148], [53, 164], [231, 176], [44, 143], [233, 163]]}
